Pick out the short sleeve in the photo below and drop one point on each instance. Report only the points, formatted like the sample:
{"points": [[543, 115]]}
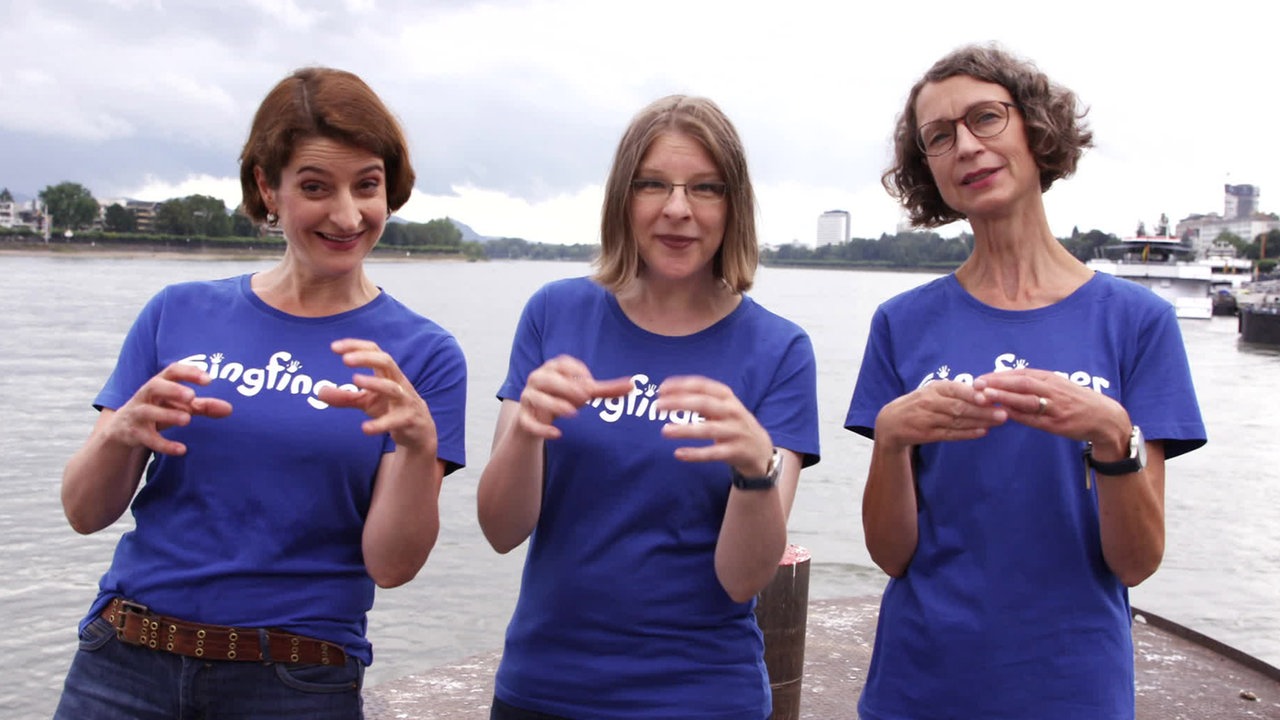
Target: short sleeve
{"points": [[138, 360], [443, 385], [527, 352], [789, 410], [878, 382], [1158, 390]]}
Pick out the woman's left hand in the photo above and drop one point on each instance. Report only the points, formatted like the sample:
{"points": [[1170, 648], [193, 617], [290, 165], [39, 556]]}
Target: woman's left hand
{"points": [[1046, 400], [737, 438], [386, 396]]}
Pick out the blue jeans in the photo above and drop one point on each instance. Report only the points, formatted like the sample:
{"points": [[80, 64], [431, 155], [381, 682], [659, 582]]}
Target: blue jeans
{"points": [[111, 680]]}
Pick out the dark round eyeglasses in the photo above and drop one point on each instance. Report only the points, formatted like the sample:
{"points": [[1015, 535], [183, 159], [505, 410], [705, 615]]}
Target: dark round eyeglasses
{"points": [[984, 120]]}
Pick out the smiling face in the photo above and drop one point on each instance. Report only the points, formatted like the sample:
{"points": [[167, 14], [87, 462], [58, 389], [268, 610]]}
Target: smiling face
{"points": [[678, 236], [979, 177], [332, 203]]}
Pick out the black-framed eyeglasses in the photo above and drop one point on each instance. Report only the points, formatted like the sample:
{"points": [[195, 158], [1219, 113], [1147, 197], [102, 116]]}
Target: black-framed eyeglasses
{"points": [[984, 120], [706, 191]]}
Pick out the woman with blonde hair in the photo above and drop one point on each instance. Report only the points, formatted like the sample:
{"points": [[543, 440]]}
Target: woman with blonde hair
{"points": [[654, 502]]}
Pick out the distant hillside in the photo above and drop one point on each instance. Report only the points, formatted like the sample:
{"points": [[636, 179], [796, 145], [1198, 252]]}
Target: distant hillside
{"points": [[469, 235]]}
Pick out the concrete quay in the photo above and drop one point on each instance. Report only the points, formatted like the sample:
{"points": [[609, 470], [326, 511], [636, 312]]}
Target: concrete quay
{"points": [[1180, 675]]}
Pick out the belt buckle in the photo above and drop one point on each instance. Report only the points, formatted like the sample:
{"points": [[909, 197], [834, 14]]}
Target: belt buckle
{"points": [[128, 606]]}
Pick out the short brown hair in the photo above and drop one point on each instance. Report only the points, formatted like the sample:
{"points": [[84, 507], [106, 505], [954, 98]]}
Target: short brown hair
{"points": [[319, 102], [1056, 131], [702, 120]]}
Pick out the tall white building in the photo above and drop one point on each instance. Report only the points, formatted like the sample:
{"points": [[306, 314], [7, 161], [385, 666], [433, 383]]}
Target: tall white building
{"points": [[833, 228]]}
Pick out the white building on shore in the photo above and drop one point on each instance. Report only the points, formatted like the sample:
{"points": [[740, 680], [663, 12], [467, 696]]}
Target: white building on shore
{"points": [[833, 228], [19, 215]]}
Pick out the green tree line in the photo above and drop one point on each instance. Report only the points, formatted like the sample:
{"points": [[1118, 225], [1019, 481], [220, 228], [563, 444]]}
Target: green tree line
{"points": [[915, 249], [73, 207], [202, 221]]}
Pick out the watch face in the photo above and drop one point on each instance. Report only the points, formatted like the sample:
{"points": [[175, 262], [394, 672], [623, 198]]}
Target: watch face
{"points": [[775, 466], [1141, 443]]}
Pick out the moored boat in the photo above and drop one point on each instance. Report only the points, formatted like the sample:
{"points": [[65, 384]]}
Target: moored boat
{"points": [[1260, 324], [1259, 313], [1167, 267], [1227, 275], [1224, 302]]}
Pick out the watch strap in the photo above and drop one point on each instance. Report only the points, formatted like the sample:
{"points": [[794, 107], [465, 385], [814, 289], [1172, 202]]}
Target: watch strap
{"points": [[1125, 466], [763, 482]]}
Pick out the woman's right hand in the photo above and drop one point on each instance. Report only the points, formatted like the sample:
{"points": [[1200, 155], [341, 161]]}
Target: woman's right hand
{"points": [[939, 411], [557, 389], [102, 476], [164, 401], [509, 496]]}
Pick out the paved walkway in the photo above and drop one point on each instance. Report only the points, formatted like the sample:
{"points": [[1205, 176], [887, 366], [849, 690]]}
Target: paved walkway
{"points": [[1178, 677]]}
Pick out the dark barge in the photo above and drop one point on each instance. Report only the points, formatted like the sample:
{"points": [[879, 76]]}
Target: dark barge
{"points": [[1259, 324]]}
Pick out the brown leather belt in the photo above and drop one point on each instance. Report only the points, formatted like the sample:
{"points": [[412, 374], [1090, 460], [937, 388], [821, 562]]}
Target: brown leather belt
{"points": [[137, 625]]}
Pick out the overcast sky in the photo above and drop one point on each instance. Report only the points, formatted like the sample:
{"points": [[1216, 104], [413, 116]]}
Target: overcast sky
{"points": [[513, 108]]}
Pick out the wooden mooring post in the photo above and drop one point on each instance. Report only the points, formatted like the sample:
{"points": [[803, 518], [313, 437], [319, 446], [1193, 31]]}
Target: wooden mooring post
{"points": [[782, 610]]}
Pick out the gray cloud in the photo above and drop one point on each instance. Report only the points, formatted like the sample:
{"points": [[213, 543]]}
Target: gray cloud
{"points": [[529, 98], [137, 91]]}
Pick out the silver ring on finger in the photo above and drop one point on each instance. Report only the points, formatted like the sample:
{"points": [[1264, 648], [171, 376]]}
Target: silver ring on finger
{"points": [[1042, 404]]}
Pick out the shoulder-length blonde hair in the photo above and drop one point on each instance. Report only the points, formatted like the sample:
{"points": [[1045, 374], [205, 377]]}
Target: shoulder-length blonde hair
{"points": [[320, 102], [1056, 131], [699, 118]]}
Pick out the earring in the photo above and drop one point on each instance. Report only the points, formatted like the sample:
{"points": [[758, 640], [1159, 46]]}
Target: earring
{"points": [[272, 219]]}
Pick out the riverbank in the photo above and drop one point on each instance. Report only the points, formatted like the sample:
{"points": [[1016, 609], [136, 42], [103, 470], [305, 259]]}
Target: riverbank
{"points": [[129, 253], [274, 249], [933, 268], [157, 252]]}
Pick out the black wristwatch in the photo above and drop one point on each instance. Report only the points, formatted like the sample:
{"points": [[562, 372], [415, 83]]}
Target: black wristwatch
{"points": [[1136, 460], [764, 482]]}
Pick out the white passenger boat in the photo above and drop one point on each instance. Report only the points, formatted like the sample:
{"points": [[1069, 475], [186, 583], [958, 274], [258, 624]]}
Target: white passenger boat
{"points": [[1166, 266]]}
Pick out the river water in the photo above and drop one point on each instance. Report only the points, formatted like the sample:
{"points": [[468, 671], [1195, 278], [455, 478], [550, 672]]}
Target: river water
{"points": [[62, 319]]}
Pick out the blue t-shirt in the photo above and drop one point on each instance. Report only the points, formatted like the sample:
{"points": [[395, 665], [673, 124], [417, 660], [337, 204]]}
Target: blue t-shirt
{"points": [[620, 612], [259, 524], [1008, 609]]}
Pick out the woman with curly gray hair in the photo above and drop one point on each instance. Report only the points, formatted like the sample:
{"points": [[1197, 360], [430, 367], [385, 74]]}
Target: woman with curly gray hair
{"points": [[1022, 410]]}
